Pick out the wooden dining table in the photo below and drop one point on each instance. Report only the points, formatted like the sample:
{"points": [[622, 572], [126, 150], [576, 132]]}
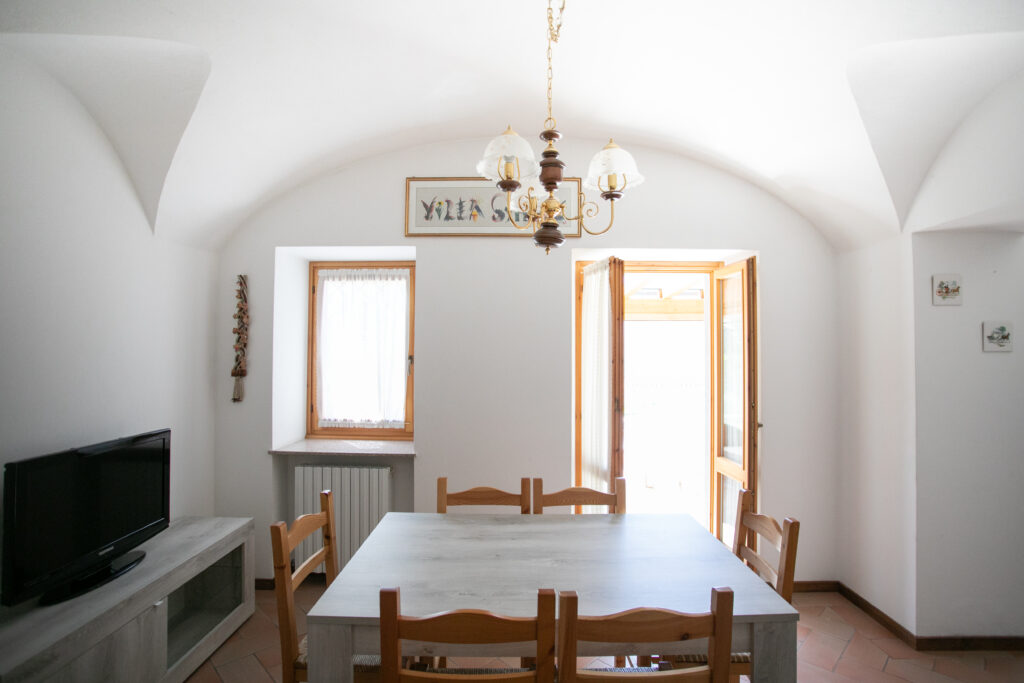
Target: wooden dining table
{"points": [[497, 562]]}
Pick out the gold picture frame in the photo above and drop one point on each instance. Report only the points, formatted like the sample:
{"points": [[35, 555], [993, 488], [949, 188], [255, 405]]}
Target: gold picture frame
{"points": [[473, 207]]}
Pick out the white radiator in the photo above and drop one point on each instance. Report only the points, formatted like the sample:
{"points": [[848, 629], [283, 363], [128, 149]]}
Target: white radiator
{"points": [[362, 496]]}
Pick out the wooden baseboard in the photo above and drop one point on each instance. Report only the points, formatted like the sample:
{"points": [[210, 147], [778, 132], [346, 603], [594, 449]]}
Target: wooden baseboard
{"points": [[815, 586], [265, 584], [917, 642], [878, 615], [970, 643]]}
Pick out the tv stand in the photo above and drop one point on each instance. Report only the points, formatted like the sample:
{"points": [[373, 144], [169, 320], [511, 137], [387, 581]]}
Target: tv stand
{"points": [[81, 586], [156, 623]]}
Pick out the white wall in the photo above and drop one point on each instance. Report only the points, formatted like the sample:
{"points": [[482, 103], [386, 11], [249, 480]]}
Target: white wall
{"points": [[105, 330], [970, 439], [876, 491], [493, 332]]}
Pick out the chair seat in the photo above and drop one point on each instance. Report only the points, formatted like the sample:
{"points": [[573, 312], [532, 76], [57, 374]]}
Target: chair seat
{"points": [[626, 669], [360, 663]]}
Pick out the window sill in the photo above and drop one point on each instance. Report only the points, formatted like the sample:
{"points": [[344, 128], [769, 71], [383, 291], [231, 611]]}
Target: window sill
{"points": [[347, 447]]}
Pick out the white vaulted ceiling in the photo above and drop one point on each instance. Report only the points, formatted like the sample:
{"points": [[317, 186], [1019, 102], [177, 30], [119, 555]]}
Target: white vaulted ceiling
{"points": [[867, 116]]}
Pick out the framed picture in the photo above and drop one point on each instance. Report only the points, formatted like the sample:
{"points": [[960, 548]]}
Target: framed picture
{"points": [[996, 336], [946, 289], [474, 207]]}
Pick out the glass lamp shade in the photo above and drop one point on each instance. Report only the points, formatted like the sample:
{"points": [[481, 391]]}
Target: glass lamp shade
{"points": [[612, 159], [508, 147]]}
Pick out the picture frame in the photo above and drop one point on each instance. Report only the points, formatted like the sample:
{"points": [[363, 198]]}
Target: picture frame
{"points": [[996, 336], [946, 289], [473, 207]]}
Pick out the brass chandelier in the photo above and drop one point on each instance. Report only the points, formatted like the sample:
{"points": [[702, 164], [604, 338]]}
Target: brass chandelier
{"points": [[508, 160]]}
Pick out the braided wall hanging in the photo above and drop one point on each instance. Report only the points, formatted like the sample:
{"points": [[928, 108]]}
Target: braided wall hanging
{"points": [[241, 336]]}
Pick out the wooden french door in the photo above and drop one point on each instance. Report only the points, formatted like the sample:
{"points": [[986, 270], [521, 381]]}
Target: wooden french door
{"points": [[732, 319], [734, 415], [608, 416]]}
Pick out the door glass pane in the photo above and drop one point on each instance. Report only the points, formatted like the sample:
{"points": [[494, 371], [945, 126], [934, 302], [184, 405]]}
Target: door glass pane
{"points": [[731, 291], [729, 492]]}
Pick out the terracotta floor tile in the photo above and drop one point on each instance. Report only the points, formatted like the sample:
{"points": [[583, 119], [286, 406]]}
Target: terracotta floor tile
{"points": [[866, 652], [232, 650], [855, 669], [801, 633], [969, 658], [204, 674], [245, 670], [1010, 667], [860, 620], [810, 610], [275, 673], [830, 623], [961, 671], [897, 649], [821, 650], [270, 656], [256, 626], [269, 611], [809, 673], [912, 671], [308, 593], [801, 599]]}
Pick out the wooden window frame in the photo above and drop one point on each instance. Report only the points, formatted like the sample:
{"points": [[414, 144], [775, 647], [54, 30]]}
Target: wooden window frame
{"points": [[313, 431]]}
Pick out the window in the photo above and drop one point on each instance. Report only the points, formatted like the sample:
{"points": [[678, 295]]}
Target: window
{"points": [[360, 370]]}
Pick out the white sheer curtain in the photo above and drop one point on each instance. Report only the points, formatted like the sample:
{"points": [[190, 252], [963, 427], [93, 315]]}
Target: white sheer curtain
{"points": [[596, 376], [362, 347]]}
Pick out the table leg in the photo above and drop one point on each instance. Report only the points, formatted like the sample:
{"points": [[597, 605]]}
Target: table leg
{"points": [[330, 653], [774, 652]]}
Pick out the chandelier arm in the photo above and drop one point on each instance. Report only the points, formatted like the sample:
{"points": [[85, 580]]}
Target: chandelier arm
{"points": [[508, 207], [581, 201], [611, 220]]}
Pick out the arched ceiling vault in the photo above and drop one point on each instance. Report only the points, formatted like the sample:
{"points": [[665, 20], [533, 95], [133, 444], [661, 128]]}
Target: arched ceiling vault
{"points": [[868, 117]]}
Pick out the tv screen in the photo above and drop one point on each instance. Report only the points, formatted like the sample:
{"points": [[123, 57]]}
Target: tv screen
{"points": [[70, 517]]}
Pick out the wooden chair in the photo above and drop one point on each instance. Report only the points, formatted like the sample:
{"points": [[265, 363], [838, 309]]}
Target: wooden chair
{"points": [[579, 495], [750, 525], [466, 626], [646, 625], [483, 495], [283, 541]]}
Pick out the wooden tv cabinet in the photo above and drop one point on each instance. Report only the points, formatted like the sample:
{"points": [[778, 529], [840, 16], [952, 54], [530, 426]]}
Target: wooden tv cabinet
{"points": [[158, 622]]}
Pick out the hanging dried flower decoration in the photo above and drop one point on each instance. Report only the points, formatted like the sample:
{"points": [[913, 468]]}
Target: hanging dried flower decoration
{"points": [[241, 336]]}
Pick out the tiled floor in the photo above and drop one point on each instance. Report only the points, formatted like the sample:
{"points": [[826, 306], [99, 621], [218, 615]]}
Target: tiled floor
{"points": [[837, 642]]}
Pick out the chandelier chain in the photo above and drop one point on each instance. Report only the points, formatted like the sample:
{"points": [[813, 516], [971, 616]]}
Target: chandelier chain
{"points": [[554, 30]]}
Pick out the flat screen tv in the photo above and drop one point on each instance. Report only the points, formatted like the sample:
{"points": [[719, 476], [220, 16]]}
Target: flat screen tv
{"points": [[71, 518]]}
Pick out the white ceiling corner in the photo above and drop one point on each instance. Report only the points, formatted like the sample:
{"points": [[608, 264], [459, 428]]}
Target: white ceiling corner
{"points": [[141, 93], [917, 97]]}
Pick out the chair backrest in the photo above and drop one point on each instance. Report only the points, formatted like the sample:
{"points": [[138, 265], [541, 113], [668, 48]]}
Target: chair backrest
{"points": [[467, 626], [647, 626], [483, 495], [579, 495], [282, 543], [750, 525]]}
